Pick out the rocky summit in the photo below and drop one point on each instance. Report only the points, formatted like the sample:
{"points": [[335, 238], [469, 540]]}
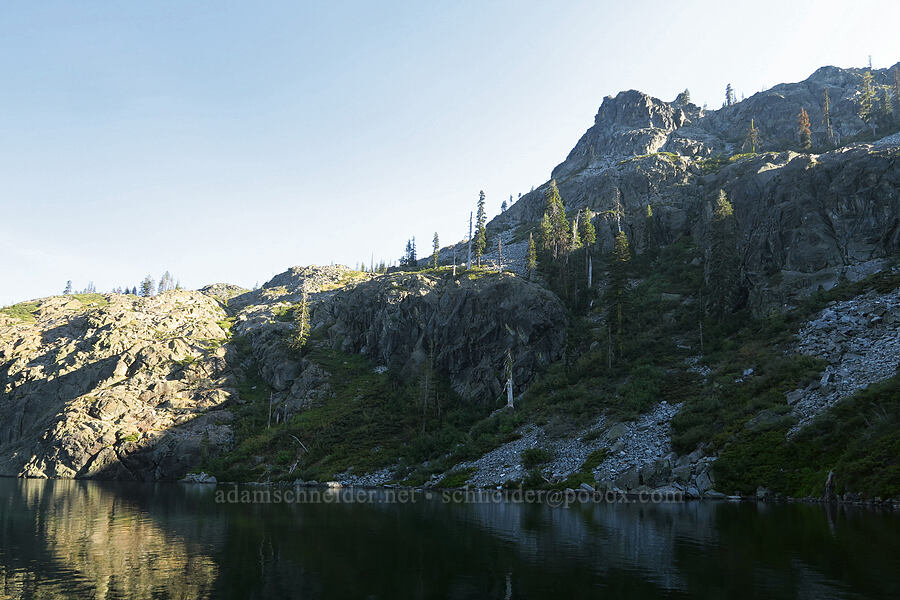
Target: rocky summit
{"points": [[627, 366]]}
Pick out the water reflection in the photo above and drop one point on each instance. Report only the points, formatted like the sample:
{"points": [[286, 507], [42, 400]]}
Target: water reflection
{"points": [[91, 540], [79, 539]]}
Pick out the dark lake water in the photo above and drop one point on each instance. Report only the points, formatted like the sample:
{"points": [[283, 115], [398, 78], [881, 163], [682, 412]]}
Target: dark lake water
{"points": [[68, 539]]}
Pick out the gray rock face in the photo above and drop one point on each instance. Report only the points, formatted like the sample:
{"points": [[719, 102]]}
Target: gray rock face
{"points": [[125, 390], [394, 319], [805, 220], [471, 323]]}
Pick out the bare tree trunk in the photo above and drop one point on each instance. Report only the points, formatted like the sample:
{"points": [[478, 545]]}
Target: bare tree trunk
{"points": [[509, 379], [590, 268]]}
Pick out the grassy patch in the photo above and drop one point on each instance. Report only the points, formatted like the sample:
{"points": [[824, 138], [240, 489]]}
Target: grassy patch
{"points": [[91, 300], [455, 479], [670, 156], [23, 311], [712, 164]]}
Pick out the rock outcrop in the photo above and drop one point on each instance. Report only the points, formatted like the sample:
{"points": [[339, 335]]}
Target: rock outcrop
{"points": [[471, 321], [806, 219], [113, 387]]}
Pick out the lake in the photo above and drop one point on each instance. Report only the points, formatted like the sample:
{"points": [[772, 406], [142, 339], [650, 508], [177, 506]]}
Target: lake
{"points": [[79, 539]]}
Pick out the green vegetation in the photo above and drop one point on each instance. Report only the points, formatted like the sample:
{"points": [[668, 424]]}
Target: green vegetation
{"points": [[712, 164], [370, 421], [91, 300], [24, 311], [532, 457], [456, 479], [859, 438], [670, 156], [480, 242]]}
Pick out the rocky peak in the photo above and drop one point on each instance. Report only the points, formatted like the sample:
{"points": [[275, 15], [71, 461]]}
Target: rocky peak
{"points": [[630, 124]]}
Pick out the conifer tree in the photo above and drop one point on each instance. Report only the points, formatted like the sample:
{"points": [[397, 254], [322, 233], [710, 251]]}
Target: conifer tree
{"points": [[684, 98], [546, 232], [531, 255], [480, 242], [803, 131], [436, 249], [751, 140], [301, 324], [722, 261], [586, 229], [618, 281], [729, 95], [147, 286], [588, 236], [68, 288], [557, 233], [866, 109], [887, 105]]}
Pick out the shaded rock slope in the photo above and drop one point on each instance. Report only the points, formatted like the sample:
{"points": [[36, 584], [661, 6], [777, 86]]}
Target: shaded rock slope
{"points": [[466, 325]]}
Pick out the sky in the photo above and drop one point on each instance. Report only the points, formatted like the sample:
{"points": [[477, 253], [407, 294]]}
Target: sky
{"points": [[226, 141]]}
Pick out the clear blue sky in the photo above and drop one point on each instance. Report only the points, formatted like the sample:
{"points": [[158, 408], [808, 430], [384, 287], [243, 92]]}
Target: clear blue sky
{"points": [[226, 141]]}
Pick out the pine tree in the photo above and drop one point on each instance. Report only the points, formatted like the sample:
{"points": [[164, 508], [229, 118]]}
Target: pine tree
{"points": [[436, 250], [588, 236], [546, 232], [586, 229], [147, 287], [866, 109], [480, 242], [826, 118], [68, 288], [729, 95], [803, 130], [531, 255], [751, 140], [557, 234], [618, 281], [722, 262], [504, 206], [684, 98], [301, 324], [887, 105]]}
